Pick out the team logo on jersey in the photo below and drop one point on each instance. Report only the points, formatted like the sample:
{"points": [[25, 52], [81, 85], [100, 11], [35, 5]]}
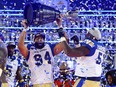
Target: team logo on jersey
{"points": [[32, 47], [38, 51], [90, 43]]}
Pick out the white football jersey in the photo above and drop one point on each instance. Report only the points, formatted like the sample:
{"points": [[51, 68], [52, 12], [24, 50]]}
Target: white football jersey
{"points": [[40, 63], [90, 65], [11, 69]]}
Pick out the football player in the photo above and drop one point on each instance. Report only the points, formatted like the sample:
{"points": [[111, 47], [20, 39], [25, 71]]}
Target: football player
{"points": [[89, 58], [40, 57]]}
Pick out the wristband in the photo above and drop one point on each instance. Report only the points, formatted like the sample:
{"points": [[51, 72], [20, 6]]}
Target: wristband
{"points": [[25, 29], [61, 32], [60, 28], [0, 72], [62, 39]]}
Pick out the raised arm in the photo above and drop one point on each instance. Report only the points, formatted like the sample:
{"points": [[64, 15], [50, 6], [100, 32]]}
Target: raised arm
{"points": [[75, 52], [59, 47], [64, 45], [22, 48]]}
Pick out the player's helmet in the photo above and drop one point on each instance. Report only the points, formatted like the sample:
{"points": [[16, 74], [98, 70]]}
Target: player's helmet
{"points": [[95, 32]]}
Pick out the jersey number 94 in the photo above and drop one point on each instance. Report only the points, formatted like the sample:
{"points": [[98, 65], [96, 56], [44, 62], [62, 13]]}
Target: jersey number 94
{"points": [[39, 60]]}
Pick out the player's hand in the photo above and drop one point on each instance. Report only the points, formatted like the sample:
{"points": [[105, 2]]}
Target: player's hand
{"points": [[61, 32], [24, 23], [75, 39]]}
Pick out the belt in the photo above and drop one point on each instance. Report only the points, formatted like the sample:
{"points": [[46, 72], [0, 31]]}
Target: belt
{"points": [[92, 78]]}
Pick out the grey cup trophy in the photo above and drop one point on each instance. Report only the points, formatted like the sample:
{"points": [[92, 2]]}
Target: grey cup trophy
{"points": [[39, 14]]}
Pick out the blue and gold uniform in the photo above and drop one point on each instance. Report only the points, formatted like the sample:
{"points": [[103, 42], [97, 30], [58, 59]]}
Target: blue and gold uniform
{"points": [[88, 68]]}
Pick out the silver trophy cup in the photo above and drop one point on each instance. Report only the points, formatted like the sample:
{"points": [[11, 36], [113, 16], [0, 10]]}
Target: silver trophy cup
{"points": [[39, 14]]}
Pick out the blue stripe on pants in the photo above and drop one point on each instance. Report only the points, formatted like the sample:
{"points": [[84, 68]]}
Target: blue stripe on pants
{"points": [[81, 82]]}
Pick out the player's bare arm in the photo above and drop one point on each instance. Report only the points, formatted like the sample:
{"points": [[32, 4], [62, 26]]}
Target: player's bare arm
{"points": [[75, 52], [23, 49], [59, 47]]}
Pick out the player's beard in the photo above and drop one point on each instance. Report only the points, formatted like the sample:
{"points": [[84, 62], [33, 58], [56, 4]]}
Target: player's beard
{"points": [[39, 45]]}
